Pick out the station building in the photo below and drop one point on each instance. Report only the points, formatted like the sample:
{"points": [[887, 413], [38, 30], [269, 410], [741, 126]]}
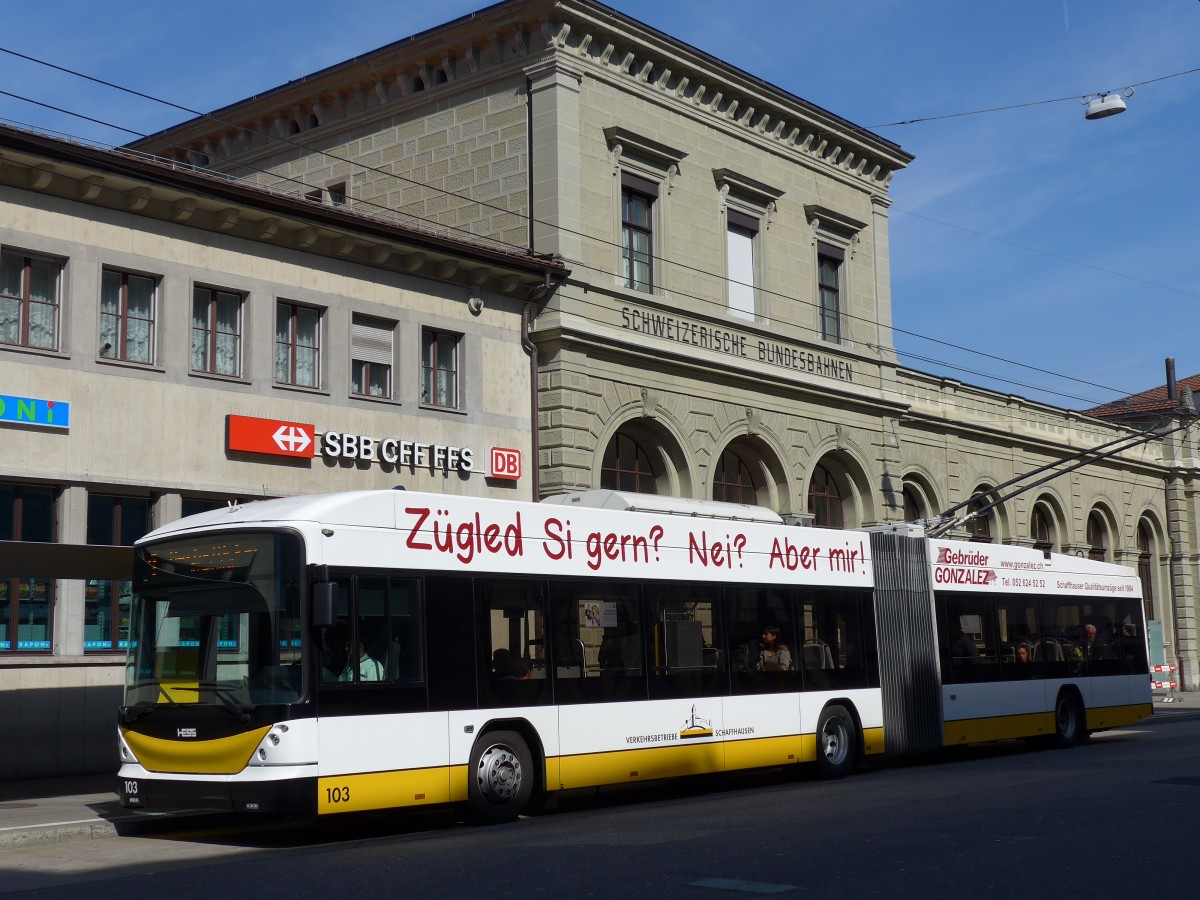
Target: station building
{"points": [[682, 281]]}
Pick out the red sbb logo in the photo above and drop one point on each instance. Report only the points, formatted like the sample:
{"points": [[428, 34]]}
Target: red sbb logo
{"points": [[272, 436], [506, 463]]}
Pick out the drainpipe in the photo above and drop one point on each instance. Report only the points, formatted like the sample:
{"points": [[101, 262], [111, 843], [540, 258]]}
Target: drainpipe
{"points": [[535, 444]]}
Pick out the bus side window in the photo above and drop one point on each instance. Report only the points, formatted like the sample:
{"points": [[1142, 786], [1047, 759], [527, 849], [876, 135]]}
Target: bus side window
{"points": [[333, 638], [687, 658], [969, 633], [597, 652], [511, 613]]}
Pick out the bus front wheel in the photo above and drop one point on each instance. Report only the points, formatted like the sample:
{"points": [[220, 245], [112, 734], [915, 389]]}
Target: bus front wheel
{"points": [[501, 778], [837, 742]]}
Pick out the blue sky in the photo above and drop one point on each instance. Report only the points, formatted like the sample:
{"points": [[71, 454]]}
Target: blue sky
{"points": [[1030, 234]]}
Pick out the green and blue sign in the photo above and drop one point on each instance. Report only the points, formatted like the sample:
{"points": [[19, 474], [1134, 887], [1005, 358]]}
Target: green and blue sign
{"points": [[31, 411]]}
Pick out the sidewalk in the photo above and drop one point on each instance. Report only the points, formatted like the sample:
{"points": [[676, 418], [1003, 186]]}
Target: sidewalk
{"points": [[85, 807]]}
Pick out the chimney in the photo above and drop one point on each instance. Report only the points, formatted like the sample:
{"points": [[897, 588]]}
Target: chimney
{"points": [[1172, 394]]}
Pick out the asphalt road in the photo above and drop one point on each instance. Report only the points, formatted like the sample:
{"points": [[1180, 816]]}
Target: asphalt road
{"points": [[1115, 817]]}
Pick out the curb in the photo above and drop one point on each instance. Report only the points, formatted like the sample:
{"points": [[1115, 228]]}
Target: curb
{"points": [[56, 833]]}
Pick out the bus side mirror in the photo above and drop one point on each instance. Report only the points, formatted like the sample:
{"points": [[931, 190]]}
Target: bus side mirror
{"points": [[324, 595]]}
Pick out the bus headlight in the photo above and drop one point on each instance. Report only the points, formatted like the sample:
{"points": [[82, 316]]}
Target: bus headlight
{"points": [[123, 750], [270, 741]]}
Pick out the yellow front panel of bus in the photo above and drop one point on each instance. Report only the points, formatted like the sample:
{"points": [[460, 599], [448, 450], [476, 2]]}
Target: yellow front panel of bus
{"points": [[223, 756]]}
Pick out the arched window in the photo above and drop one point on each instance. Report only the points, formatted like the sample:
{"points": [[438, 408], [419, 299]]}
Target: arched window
{"points": [[627, 467], [1097, 538], [1041, 531], [914, 504], [825, 500], [733, 482], [1145, 567], [980, 526]]}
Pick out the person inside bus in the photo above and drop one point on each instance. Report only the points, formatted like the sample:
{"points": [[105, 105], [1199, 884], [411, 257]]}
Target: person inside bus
{"points": [[962, 647], [773, 654], [369, 669], [1094, 648], [1021, 654]]}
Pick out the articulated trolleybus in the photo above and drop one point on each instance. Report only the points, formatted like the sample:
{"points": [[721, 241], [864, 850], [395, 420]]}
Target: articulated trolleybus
{"points": [[382, 649]]}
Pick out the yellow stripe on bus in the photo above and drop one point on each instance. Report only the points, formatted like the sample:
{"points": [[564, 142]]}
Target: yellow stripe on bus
{"points": [[386, 790], [449, 784], [223, 756], [1000, 728], [626, 766], [1117, 716]]}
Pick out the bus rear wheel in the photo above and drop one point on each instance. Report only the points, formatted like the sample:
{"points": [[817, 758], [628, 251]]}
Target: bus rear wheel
{"points": [[501, 778], [1068, 720], [837, 742]]}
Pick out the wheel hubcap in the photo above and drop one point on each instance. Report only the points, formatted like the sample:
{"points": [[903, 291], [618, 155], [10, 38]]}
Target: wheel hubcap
{"points": [[498, 774], [833, 742]]}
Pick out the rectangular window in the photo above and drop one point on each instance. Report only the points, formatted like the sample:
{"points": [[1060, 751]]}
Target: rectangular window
{"points": [[512, 615], [687, 640], [114, 521], [742, 231], [829, 278], [29, 300], [598, 652], [371, 357], [127, 316], [376, 636], [26, 514], [337, 194], [216, 332], [297, 345], [637, 231], [439, 368]]}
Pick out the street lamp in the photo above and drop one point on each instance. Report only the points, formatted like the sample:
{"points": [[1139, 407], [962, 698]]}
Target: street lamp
{"points": [[1101, 106]]}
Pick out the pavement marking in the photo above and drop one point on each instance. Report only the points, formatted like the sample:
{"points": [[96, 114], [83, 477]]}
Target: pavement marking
{"points": [[745, 887]]}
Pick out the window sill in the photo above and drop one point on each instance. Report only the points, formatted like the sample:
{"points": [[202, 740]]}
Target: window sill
{"points": [[35, 351], [384, 401], [453, 410], [127, 364], [300, 389], [213, 376]]}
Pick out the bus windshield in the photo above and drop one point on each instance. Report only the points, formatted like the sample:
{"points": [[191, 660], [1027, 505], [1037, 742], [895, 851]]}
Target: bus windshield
{"points": [[216, 622]]}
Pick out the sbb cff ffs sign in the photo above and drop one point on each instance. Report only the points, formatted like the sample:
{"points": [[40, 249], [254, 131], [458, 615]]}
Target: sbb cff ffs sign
{"points": [[276, 437], [506, 463]]}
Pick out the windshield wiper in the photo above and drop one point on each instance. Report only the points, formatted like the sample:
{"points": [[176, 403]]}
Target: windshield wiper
{"points": [[237, 710], [137, 710]]}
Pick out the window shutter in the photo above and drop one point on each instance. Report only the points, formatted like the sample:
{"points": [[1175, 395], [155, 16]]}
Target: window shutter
{"points": [[371, 341], [638, 183], [831, 251], [741, 220]]}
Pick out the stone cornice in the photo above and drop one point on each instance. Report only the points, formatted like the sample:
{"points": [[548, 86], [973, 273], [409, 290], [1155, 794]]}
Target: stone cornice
{"points": [[154, 190], [500, 41]]}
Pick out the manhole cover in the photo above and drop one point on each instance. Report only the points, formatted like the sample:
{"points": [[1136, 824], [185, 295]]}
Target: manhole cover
{"points": [[17, 805]]}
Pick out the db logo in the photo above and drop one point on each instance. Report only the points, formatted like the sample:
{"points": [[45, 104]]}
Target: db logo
{"points": [[506, 463]]}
